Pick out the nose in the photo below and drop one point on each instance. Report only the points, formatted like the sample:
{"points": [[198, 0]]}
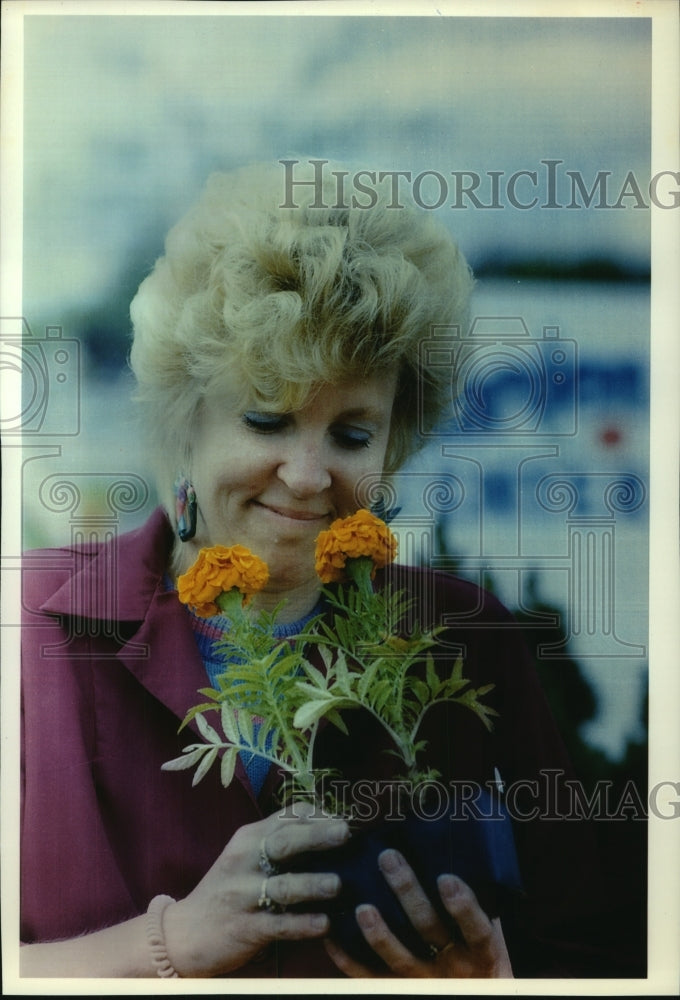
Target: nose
{"points": [[303, 468]]}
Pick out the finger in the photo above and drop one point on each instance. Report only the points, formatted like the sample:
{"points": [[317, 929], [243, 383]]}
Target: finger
{"points": [[393, 953], [285, 890], [293, 926], [461, 902], [418, 908], [348, 965], [293, 837], [298, 810]]}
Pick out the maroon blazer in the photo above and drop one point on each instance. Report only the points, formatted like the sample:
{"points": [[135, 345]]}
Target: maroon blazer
{"points": [[110, 667]]}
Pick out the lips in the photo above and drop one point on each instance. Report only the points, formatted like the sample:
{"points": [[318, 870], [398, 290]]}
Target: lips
{"points": [[292, 513]]}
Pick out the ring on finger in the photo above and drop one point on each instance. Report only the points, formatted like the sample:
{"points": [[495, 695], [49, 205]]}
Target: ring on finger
{"points": [[265, 902], [435, 950], [265, 864]]}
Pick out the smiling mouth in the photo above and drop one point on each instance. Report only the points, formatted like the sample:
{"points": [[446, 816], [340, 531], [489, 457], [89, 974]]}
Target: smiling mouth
{"points": [[292, 514]]}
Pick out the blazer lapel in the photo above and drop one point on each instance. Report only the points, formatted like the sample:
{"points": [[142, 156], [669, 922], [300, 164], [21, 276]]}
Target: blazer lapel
{"points": [[117, 594]]}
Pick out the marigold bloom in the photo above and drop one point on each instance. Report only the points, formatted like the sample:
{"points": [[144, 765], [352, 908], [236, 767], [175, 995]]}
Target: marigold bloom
{"points": [[361, 534], [218, 570]]}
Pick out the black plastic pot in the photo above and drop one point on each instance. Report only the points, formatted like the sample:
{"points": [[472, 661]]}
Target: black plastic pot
{"points": [[477, 847]]}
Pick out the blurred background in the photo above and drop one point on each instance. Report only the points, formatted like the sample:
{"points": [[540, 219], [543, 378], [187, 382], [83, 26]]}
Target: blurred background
{"points": [[125, 116]]}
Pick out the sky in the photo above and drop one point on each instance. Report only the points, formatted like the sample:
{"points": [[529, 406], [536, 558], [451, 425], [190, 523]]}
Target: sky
{"points": [[125, 116]]}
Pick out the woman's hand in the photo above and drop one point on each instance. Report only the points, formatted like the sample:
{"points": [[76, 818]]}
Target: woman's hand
{"points": [[482, 954], [237, 909]]}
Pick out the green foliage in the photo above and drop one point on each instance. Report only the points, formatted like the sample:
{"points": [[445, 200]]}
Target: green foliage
{"points": [[254, 701], [271, 698]]}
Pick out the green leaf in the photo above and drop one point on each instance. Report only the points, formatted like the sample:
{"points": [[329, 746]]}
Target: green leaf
{"points": [[338, 721], [381, 694], [420, 690], [245, 724], [449, 687], [327, 657], [314, 675], [481, 691], [283, 666], [206, 730], [210, 693], [309, 713], [367, 679], [431, 675], [228, 719], [265, 734], [204, 766], [313, 692], [342, 673], [191, 756], [228, 766], [483, 712], [193, 712]]}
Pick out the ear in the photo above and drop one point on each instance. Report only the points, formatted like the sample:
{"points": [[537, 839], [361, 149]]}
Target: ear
{"points": [[185, 508]]}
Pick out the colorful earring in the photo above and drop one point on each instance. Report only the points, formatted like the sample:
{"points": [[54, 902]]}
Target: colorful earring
{"points": [[185, 508]]}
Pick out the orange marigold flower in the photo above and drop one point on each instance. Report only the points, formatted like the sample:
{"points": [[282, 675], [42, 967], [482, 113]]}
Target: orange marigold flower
{"points": [[218, 570], [361, 534]]}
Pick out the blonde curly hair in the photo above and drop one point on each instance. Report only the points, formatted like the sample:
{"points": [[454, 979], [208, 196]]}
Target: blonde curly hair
{"points": [[279, 300]]}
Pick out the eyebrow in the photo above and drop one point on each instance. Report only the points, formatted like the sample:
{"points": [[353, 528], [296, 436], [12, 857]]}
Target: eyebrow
{"points": [[373, 414], [362, 413]]}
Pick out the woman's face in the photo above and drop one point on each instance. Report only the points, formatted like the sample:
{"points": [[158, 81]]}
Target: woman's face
{"points": [[272, 481]]}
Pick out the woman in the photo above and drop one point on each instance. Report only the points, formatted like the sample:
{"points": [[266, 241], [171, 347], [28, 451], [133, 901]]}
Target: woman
{"points": [[277, 356]]}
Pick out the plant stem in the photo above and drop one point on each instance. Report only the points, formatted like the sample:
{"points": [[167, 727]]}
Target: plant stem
{"points": [[310, 748], [245, 747]]}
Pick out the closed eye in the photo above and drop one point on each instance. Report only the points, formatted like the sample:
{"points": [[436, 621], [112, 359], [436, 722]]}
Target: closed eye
{"points": [[345, 436], [351, 438], [264, 423]]}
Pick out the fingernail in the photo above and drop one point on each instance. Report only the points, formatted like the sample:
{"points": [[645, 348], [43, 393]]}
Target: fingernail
{"points": [[390, 861], [338, 832], [319, 921], [330, 884], [365, 916], [449, 886]]}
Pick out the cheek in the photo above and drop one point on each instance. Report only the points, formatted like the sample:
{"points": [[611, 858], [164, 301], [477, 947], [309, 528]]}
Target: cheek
{"points": [[237, 470], [359, 479]]}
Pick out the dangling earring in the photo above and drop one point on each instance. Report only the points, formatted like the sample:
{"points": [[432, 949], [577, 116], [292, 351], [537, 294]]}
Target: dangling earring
{"points": [[185, 508]]}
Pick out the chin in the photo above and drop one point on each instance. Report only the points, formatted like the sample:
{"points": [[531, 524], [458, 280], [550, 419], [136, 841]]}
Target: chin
{"points": [[283, 578]]}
